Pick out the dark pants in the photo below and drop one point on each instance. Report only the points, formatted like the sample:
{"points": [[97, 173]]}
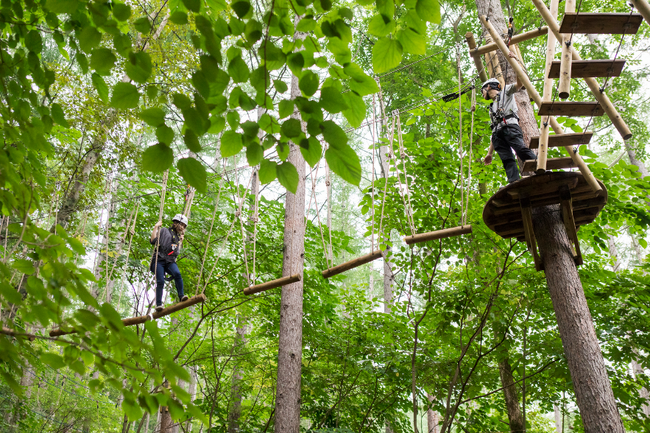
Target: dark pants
{"points": [[510, 136], [171, 269]]}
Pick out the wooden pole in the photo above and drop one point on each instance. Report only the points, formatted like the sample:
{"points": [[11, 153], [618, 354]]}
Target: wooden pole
{"points": [[494, 66], [601, 97], [327, 273], [272, 284], [532, 92], [542, 154], [515, 40], [564, 88], [438, 234], [471, 43], [142, 319], [643, 7]]}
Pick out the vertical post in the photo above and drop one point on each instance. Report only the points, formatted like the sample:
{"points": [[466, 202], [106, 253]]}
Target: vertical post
{"points": [[471, 43], [542, 154], [493, 65], [565, 63], [643, 7]]}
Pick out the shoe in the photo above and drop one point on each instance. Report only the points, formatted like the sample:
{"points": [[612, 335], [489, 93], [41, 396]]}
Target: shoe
{"points": [[185, 298], [159, 308]]}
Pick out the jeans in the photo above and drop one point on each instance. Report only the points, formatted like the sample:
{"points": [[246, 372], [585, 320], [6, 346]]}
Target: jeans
{"points": [[511, 136], [171, 269]]}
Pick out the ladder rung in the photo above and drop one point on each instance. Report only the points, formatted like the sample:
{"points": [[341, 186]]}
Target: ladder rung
{"points": [[571, 108], [551, 164], [601, 23], [563, 140], [590, 68]]}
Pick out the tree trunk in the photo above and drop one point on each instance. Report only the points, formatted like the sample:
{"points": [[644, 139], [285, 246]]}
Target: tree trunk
{"points": [[432, 417], [165, 420], [515, 417], [287, 406], [637, 370], [638, 163], [558, 418], [384, 159], [590, 382], [237, 376]]}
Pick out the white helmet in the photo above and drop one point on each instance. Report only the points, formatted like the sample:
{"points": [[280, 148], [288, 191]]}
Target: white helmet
{"points": [[492, 83], [180, 218]]}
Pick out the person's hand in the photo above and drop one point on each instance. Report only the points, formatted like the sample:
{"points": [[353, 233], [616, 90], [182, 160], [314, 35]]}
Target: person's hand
{"points": [[182, 236], [488, 159], [158, 224], [511, 54]]}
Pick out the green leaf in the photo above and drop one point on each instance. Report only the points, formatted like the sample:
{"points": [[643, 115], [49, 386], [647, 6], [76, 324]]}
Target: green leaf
{"points": [[182, 101], [52, 359], [429, 10], [308, 83], [179, 18], [24, 266], [268, 171], [132, 410], [193, 172], [62, 6], [102, 60], [125, 95], [88, 39], [101, 87], [332, 100], [291, 128], [192, 141], [138, 67], [153, 116], [280, 86], [121, 12], [165, 134], [343, 161], [10, 293], [157, 158], [238, 70], [288, 176], [334, 134], [59, 116], [143, 25], [311, 150], [285, 108], [361, 83], [412, 42], [379, 27], [231, 143], [193, 5], [357, 109], [254, 154], [241, 8], [386, 55]]}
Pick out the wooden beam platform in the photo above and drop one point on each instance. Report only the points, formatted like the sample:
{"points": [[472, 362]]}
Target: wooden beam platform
{"points": [[272, 284], [142, 319], [521, 37], [551, 164], [438, 234], [601, 23], [502, 212], [563, 140], [590, 68], [570, 108], [327, 273]]}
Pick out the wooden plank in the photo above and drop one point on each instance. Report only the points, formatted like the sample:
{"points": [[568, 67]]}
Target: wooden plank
{"points": [[272, 284], [542, 187], [563, 140], [590, 68], [527, 217], [142, 319], [569, 224], [551, 164], [601, 23], [521, 37], [327, 273], [439, 234], [570, 108]]}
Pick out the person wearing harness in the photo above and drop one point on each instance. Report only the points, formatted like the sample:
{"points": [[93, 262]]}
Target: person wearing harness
{"points": [[168, 240], [506, 132]]}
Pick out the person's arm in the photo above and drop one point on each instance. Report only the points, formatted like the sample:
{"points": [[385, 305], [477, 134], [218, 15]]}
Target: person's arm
{"points": [[488, 157], [154, 233], [519, 83]]}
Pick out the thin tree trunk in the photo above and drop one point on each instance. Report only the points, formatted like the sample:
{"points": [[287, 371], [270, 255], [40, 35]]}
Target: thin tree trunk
{"points": [[637, 370], [165, 420], [638, 163], [432, 417], [515, 416], [287, 406], [558, 418]]}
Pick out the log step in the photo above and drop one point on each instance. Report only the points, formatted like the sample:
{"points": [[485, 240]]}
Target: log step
{"points": [[327, 273], [563, 140], [601, 23], [438, 234], [551, 164], [589, 68], [571, 108], [272, 284]]}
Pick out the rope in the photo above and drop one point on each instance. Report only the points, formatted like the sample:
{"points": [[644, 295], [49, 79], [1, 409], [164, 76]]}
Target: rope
{"points": [[109, 277], [255, 220], [609, 74], [328, 185], [314, 179], [469, 159], [372, 172], [460, 137], [207, 243], [406, 196], [409, 65], [128, 251], [161, 212], [383, 203]]}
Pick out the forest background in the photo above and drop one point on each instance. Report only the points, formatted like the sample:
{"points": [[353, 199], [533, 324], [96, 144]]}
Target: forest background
{"points": [[110, 109]]}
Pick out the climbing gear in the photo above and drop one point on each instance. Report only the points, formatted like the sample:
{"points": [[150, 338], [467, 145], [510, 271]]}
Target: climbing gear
{"points": [[180, 218]]}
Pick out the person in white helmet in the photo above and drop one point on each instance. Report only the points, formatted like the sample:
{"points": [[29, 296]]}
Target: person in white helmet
{"points": [[168, 240], [506, 132]]}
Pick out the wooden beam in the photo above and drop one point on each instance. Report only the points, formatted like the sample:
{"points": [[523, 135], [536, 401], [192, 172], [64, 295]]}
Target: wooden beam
{"points": [[551, 164], [471, 43], [142, 319], [272, 284], [542, 154], [564, 87], [590, 68], [571, 108], [570, 224], [527, 217], [644, 9], [521, 37], [601, 23], [563, 140], [532, 93], [611, 111], [327, 273], [439, 234]]}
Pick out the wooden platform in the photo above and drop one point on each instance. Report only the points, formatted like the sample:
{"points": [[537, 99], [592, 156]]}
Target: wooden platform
{"points": [[551, 164], [601, 23], [502, 213], [571, 108], [563, 140], [589, 68]]}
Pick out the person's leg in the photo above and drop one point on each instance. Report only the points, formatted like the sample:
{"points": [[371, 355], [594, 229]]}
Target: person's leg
{"points": [[507, 158], [515, 138], [160, 282], [173, 270]]}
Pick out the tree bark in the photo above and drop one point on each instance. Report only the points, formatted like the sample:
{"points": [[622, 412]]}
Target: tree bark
{"points": [[287, 406], [515, 417], [558, 418], [593, 390], [637, 370], [432, 417], [165, 420]]}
